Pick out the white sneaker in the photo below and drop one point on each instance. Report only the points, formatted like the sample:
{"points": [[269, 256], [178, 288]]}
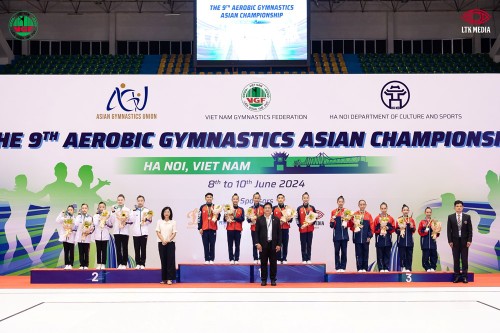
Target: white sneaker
{"points": [[231, 262], [207, 262], [360, 271], [280, 262], [309, 262], [236, 262], [211, 262], [121, 267], [85, 267], [81, 267], [304, 262], [256, 262], [285, 262], [138, 267], [67, 267], [433, 270]]}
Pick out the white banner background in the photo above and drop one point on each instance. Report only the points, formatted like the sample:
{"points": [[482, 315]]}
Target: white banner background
{"points": [[419, 175]]}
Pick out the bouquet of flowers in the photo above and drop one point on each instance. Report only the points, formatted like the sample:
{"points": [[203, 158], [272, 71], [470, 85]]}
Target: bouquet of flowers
{"points": [[436, 228], [310, 219], [122, 217], [358, 222], [250, 213], [402, 225], [346, 216], [87, 227], [67, 226], [216, 211], [147, 217], [287, 214], [229, 212], [383, 225], [103, 218]]}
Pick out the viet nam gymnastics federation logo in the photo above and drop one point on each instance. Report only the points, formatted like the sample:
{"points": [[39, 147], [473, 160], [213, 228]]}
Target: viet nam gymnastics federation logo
{"points": [[23, 25], [256, 97], [395, 95]]}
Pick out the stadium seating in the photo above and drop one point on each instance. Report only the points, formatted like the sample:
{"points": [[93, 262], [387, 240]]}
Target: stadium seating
{"points": [[427, 63], [82, 64], [320, 63]]}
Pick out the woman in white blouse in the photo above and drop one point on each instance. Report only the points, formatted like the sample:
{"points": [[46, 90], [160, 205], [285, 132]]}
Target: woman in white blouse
{"points": [[166, 229]]}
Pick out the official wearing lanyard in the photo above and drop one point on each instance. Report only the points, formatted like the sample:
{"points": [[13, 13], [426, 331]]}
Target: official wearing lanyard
{"points": [[267, 228]]}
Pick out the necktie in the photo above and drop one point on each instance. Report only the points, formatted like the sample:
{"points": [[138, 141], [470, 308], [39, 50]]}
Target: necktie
{"points": [[459, 221]]}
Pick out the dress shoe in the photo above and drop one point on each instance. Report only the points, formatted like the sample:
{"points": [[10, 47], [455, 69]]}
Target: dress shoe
{"points": [[263, 283], [273, 283], [464, 280], [457, 279]]}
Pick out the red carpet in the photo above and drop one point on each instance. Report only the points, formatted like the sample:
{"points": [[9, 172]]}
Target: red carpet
{"points": [[23, 282]]}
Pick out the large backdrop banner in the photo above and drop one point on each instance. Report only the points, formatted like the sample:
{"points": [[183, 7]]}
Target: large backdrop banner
{"points": [[420, 140]]}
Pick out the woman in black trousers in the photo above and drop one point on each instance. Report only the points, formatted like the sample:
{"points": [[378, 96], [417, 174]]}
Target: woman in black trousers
{"points": [[166, 229]]}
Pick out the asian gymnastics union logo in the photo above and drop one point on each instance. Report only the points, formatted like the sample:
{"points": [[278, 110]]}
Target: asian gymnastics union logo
{"points": [[476, 16], [128, 99], [23, 25], [256, 97], [395, 95]]}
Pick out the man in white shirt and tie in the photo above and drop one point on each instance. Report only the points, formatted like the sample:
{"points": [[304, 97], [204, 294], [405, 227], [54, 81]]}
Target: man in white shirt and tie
{"points": [[268, 243], [459, 230]]}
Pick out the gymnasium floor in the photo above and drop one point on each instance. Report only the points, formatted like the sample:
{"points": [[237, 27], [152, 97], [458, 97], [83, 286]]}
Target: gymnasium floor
{"points": [[292, 307]]}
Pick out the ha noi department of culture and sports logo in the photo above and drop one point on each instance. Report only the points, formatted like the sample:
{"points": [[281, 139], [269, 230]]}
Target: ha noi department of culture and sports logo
{"points": [[23, 25], [256, 96]]}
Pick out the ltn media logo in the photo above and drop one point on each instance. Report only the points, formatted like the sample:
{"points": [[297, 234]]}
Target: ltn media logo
{"points": [[395, 95], [23, 25], [256, 96], [475, 17], [127, 99]]}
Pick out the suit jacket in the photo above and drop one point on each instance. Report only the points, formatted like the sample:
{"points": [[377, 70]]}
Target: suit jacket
{"points": [[452, 228], [261, 229]]}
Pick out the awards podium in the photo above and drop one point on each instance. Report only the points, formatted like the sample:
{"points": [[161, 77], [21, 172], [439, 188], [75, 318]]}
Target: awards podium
{"points": [[226, 273]]}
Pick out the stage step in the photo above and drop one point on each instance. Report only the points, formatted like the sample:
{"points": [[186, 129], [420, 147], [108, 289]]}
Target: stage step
{"points": [[393, 277], [225, 273], [248, 273], [111, 275]]}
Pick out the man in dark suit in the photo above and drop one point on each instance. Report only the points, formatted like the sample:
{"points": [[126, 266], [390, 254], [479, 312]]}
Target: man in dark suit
{"points": [[268, 243], [460, 239]]}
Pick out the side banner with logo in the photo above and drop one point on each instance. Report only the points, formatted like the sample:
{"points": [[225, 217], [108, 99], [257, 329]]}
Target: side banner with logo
{"points": [[419, 140]]}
